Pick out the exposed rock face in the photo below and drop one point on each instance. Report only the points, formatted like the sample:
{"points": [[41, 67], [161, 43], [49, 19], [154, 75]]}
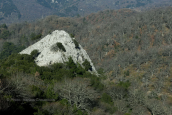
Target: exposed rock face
{"points": [[48, 57]]}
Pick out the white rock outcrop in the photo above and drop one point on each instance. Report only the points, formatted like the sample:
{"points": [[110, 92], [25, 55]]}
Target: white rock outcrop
{"points": [[48, 57]]}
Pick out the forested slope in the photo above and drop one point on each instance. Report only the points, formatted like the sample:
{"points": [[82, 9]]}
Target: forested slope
{"points": [[133, 48]]}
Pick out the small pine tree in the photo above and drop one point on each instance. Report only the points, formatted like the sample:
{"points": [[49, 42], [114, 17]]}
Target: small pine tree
{"points": [[76, 44], [107, 98], [34, 53], [71, 63], [87, 65], [60, 46], [72, 67], [127, 73], [4, 26], [80, 70], [72, 35], [35, 37], [49, 93]]}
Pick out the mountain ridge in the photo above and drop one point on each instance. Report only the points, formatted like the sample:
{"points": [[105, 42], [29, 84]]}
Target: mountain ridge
{"points": [[36, 9]]}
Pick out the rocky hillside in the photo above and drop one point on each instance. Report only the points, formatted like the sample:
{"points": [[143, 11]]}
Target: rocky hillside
{"points": [[58, 47]]}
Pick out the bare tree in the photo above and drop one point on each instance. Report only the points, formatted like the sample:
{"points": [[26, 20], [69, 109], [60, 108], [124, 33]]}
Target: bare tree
{"points": [[117, 92], [169, 110], [146, 80], [56, 107], [152, 69], [164, 98], [158, 86], [135, 95], [77, 92], [156, 107], [19, 84], [167, 50], [139, 110], [116, 70], [121, 105], [170, 88]]}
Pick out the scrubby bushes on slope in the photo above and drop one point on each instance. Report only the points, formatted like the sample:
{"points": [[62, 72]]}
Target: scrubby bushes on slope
{"points": [[33, 36], [59, 81], [34, 53], [9, 48], [42, 87], [4, 26], [76, 44], [58, 46], [4, 34], [87, 65]]}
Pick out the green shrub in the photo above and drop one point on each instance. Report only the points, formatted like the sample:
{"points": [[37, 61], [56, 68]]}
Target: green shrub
{"points": [[34, 53], [9, 62], [49, 32], [24, 57], [109, 108], [136, 36], [49, 94], [57, 66], [35, 37], [76, 44], [72, 67], [106, 98], [100, 71], [126, 73], [4, 34], [87, 65], [24, 40], [38, 93], [8, 49], [4, 26], [77, 111], [32, 35], [124, 84], [80, 70], [58, 46], [95, 82], [46, 75], [64, 102], [72, 35], [71, 63], [27, 57]]}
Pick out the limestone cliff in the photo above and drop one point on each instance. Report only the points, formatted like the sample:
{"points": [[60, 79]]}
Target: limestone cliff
{"points": [[48, 57]]}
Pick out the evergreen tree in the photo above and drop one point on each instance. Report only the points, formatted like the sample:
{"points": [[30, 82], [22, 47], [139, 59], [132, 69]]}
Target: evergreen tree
{"points": [[4, 26], [72, 66], [76, 44], [87, 65], [34, 53], [9, 48]]}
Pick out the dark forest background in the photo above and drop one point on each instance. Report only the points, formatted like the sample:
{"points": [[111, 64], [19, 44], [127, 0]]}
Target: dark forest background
{"points": [[13, 11]]}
